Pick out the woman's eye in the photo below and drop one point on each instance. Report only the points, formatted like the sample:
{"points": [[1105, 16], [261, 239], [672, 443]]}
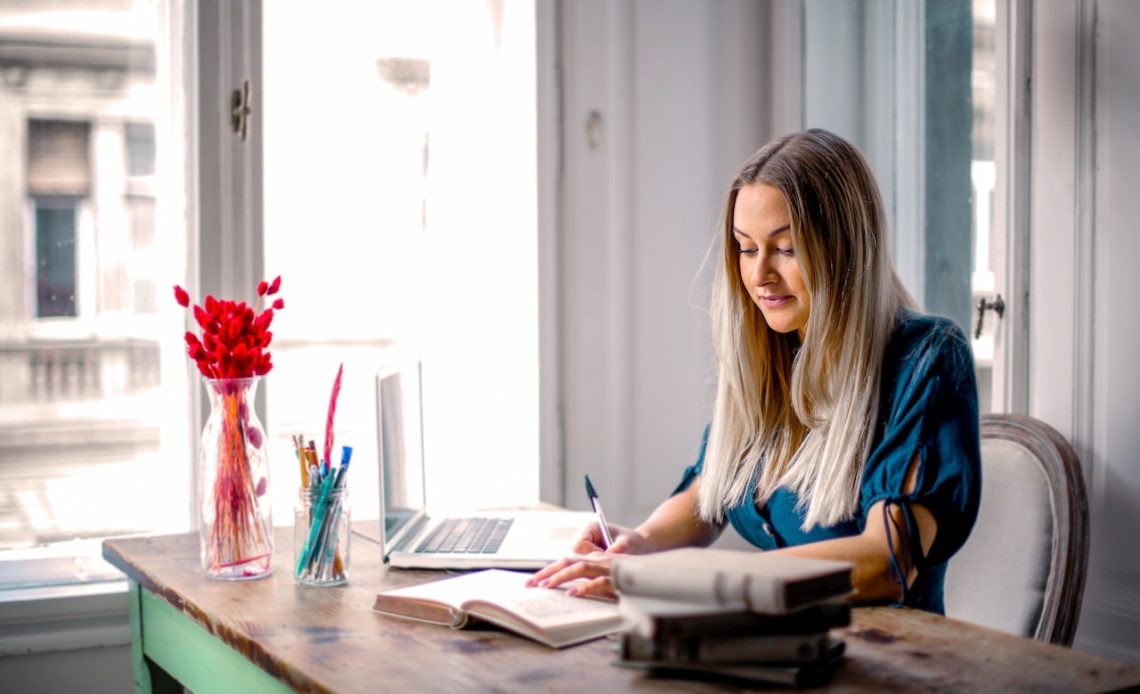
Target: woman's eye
{"points": [[786, 251], [748, 251]]}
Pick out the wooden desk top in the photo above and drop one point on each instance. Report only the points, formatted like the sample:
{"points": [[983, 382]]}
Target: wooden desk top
{"points": [[328, 639]]}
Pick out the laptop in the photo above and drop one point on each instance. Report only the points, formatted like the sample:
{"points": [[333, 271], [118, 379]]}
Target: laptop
{"points": [[409, 537]]}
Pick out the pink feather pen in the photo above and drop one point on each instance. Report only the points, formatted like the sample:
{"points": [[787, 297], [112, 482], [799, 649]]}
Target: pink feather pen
{"points": [[332, 413]]}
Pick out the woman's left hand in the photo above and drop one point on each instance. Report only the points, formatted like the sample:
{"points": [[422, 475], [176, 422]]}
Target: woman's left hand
{"points": [[593, 568]]}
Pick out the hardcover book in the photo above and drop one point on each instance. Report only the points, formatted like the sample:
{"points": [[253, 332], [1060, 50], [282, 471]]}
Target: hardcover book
{"points": [[660, 618], [740, 649], [754, 581]]}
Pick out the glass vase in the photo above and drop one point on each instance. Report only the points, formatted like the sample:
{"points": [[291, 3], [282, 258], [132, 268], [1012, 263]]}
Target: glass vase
{"points": [[236, 526]]}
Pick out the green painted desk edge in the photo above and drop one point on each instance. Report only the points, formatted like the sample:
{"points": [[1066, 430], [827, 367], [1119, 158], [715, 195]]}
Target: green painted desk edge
{"points": [[186, 653], [229, 669]]}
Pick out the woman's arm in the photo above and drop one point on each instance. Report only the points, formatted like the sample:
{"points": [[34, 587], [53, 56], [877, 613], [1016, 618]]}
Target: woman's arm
{"points": [[674, 523], [870, 552]]}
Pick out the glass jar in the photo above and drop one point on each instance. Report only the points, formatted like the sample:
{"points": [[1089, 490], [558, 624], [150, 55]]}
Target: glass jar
{"points": [[321, 536]]}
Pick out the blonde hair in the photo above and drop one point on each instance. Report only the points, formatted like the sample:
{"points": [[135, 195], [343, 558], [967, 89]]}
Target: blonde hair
{"points": [[792, 415]]}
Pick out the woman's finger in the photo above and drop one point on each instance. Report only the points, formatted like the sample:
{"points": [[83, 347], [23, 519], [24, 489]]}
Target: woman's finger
{"points": [[585, 546], [590, 566], [601, 586], [548, 570], [620, 545]]}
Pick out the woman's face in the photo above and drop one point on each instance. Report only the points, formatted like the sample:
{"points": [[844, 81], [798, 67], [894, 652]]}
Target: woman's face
{"points": [[768, 264]]}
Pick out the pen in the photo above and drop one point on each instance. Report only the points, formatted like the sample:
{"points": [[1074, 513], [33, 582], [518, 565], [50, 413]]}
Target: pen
{"points": [[596, 503]]}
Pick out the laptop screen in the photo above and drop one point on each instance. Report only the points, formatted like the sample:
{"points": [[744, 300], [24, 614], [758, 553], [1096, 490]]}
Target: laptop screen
{"points": [[401, 444]]}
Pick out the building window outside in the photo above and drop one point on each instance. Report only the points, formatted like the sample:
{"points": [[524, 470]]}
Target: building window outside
{"points": [[55, 257], [139, 139]]}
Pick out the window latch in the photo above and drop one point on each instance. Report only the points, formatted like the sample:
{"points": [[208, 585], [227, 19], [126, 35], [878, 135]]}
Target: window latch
{"points": [[240, 110], [984, 304]]}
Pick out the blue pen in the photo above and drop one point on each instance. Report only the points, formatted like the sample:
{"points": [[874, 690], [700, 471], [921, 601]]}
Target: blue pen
{"points": [[315, 529]]}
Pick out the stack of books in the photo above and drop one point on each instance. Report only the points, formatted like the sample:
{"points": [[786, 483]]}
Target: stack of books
{"points": [[742, 616]]}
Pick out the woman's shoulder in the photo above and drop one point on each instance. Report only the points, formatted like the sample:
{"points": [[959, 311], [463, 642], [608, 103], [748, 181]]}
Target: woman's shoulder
{"points": [[924, 341]]}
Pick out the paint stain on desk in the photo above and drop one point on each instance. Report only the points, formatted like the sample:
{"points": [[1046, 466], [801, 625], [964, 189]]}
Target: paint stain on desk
{"points": [[322, 634], [477, 645], [873, 635]]}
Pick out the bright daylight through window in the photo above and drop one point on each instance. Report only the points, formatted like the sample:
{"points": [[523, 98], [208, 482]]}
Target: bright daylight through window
{"points": [[90, 239]]}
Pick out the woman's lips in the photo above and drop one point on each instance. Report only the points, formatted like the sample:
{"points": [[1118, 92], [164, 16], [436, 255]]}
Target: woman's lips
{"points": [[775, 301]]}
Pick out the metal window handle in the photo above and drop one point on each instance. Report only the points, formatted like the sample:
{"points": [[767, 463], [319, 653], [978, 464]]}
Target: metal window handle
{"points": [[984, 304], [240, 110]]}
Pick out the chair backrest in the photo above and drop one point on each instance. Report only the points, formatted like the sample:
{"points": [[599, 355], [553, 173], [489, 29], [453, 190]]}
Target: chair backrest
{"points": [[1023, 569]]}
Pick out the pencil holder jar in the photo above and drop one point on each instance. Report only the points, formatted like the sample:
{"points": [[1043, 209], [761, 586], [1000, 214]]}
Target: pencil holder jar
{"points": [[322, 536]]}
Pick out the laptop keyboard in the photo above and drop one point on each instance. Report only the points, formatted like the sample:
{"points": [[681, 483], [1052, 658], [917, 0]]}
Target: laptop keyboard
{"points": [[466, 536]]}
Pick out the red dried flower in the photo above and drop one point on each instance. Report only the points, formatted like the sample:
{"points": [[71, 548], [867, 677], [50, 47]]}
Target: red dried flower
{"points": [[235, 337]]}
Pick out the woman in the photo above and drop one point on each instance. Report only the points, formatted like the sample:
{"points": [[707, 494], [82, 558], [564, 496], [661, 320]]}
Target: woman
{"points": [[845, 424]]}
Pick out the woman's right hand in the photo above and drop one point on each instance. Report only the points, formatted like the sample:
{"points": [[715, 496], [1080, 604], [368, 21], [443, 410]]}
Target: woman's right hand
{"points": [[590, 561], [590, 540]]}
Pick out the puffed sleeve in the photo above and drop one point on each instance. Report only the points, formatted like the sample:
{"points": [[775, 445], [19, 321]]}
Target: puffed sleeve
{"points": [[932, 413]]}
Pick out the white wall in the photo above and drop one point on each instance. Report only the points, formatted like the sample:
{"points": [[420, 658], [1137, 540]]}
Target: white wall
{"points": [[90, 670], [678, 89], [1106, 384], [1085, 330]]}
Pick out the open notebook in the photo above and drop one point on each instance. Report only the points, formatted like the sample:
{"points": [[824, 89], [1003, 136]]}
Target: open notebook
{"points": [[409, 537]]}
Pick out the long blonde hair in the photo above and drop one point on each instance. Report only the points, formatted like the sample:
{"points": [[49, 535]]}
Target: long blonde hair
{"points": [[802, 416]]}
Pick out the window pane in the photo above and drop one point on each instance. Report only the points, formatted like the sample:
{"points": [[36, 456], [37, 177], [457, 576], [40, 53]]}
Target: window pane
{"points": [[411, 217], [93, 382], [343, 215], [55, 258]]}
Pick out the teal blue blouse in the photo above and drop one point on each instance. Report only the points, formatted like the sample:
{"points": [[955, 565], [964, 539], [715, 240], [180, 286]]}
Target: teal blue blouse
{"points": [[928, 407]]}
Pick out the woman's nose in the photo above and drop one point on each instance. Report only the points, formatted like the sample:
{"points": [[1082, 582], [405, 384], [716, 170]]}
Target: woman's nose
{"points": [[761, 270]]}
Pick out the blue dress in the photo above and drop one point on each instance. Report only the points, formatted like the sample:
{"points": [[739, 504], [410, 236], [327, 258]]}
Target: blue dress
{"points": [[928, 407]]}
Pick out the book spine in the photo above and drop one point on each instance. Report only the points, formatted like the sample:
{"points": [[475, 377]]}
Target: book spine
{"points": [[808, 621], [791, 648], [730, 590]]}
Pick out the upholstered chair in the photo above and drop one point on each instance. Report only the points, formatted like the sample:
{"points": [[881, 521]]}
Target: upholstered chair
{"points": [[1023, 569]]}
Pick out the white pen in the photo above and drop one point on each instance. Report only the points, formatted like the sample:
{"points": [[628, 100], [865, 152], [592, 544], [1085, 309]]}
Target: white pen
{"points": [[596, 503]]}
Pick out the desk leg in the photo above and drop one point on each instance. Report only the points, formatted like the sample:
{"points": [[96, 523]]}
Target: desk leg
{"points": [[148, 676]]}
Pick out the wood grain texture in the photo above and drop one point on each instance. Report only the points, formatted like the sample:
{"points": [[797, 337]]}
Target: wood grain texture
{"points": [[329, 640]]}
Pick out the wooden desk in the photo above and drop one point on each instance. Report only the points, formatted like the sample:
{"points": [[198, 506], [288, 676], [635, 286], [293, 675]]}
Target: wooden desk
{"points": [[274, 635]]}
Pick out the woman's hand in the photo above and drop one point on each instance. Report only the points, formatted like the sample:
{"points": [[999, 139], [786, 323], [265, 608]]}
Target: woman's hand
{"points": [[590, 540], [590, 561], [674, 523]]}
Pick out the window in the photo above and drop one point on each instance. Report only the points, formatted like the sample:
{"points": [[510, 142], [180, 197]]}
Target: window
{"points": [[93, 384], [55, 256], [58, 183], [366, 133], [400, 206]]}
